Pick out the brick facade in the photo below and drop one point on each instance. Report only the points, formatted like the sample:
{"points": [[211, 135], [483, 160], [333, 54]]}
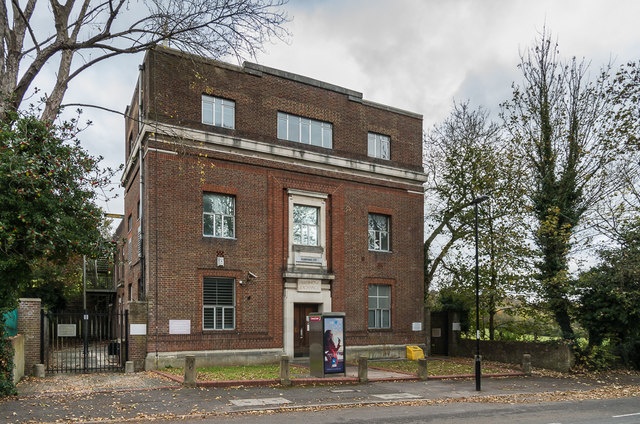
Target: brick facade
{"points": [[183, 159]]}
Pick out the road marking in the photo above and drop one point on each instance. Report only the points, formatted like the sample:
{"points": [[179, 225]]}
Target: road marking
{"points": [[260, 402], [342, 391], [395, 396], [626, 415]]}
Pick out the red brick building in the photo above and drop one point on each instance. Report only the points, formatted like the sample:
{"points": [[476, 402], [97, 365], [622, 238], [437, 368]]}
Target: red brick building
{"points": [[256, 196]]}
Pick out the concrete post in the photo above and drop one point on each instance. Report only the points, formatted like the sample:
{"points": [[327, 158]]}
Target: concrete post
{"points": [[38, 370], [190, 371], [129, 367], [285, 376], [422, 369], [363, 371], [526, 364]]}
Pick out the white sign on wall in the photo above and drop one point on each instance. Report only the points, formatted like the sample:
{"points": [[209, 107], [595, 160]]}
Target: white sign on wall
{"points": [[66, 330], [179, 326], [138, 330], [416, 326]]}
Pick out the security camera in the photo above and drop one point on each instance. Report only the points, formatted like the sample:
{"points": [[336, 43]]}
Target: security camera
{"points": [[252, 275]]}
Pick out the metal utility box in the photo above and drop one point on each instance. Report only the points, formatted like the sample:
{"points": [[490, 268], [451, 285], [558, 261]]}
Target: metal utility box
{"points": [[326, 343]]}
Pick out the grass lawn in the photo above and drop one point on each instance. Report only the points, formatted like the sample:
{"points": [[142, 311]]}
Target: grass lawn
{"points": [[265, 372], [246, 372], [434, 367]]}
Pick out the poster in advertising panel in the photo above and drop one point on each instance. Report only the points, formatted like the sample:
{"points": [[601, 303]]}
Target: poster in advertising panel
{"points": [[333, 345]]}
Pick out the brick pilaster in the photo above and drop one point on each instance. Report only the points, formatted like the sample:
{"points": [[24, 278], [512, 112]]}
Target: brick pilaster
{"points": [[138, 343], [29, 327]]}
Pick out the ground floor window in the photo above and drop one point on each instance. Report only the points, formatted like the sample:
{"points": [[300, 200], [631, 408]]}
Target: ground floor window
{"points": [[379, 306], [218, 303]]}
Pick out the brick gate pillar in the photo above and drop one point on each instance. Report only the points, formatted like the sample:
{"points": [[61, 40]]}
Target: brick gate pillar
{"points": [[137, 340], [29, 327]]}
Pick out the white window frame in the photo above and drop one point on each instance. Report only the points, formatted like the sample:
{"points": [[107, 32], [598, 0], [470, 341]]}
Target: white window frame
{"points": [[223, 307], [306, 229], [305, 130], [222, 113], [378, 311], [376, 144], [215, 216], [301, 256], [377, 235]]}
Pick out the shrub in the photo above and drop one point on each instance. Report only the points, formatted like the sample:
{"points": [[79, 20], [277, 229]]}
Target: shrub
{"points": [[596, 358], [6, 365]]}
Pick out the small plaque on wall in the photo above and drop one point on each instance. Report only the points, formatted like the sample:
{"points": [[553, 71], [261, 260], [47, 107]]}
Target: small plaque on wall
{"points": [[179, 326], [416, 326], [314, 286], [436, 332]]}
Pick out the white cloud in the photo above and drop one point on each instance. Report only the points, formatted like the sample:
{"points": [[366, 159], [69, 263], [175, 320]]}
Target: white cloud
{"points": [[415, 55]]}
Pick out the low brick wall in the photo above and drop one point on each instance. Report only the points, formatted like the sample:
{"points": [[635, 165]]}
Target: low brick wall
{"points": [[552, 356], [17, 342]]}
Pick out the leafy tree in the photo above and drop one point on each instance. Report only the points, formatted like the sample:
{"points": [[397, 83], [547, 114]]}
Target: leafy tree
{"points": [[466, 157], [457, 173], [54, 283], [81, 34], [563, 125], [6, 365], [48, 188], [609, 303]]}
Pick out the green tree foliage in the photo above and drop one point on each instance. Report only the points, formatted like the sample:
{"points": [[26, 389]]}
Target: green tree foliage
{"points": [[48, 188], [466, 158], [563, 125], [457, 173], [6, 365], [55, 283], [609, 303]]}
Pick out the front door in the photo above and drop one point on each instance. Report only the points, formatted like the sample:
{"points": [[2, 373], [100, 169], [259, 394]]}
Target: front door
{"points": [[300, 331]]}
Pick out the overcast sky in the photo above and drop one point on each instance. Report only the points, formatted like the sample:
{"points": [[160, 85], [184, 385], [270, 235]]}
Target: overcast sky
{"points": [[415, 55]]}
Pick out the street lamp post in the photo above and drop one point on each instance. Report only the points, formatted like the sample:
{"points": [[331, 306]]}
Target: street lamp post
{"points": [[475, 202]]}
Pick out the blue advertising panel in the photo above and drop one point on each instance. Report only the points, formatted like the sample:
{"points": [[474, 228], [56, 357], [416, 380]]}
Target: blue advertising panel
{"points": [[333, 345]]}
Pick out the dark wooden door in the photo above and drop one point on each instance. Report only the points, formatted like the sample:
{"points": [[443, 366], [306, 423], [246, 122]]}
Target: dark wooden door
{"points": [[300, 329]]}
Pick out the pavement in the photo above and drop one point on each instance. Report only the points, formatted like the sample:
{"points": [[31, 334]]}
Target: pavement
{"points": [[146, 396]]}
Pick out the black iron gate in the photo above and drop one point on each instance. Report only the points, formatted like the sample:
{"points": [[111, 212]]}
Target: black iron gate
{"points": [[84, 341]]}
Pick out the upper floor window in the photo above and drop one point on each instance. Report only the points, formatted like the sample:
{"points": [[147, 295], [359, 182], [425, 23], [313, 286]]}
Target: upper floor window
{"points": [[379, 146], [218, 303], [305, 225], [305, 130], [218, 215], [379, 232], [219, 112], [379, 306]]}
